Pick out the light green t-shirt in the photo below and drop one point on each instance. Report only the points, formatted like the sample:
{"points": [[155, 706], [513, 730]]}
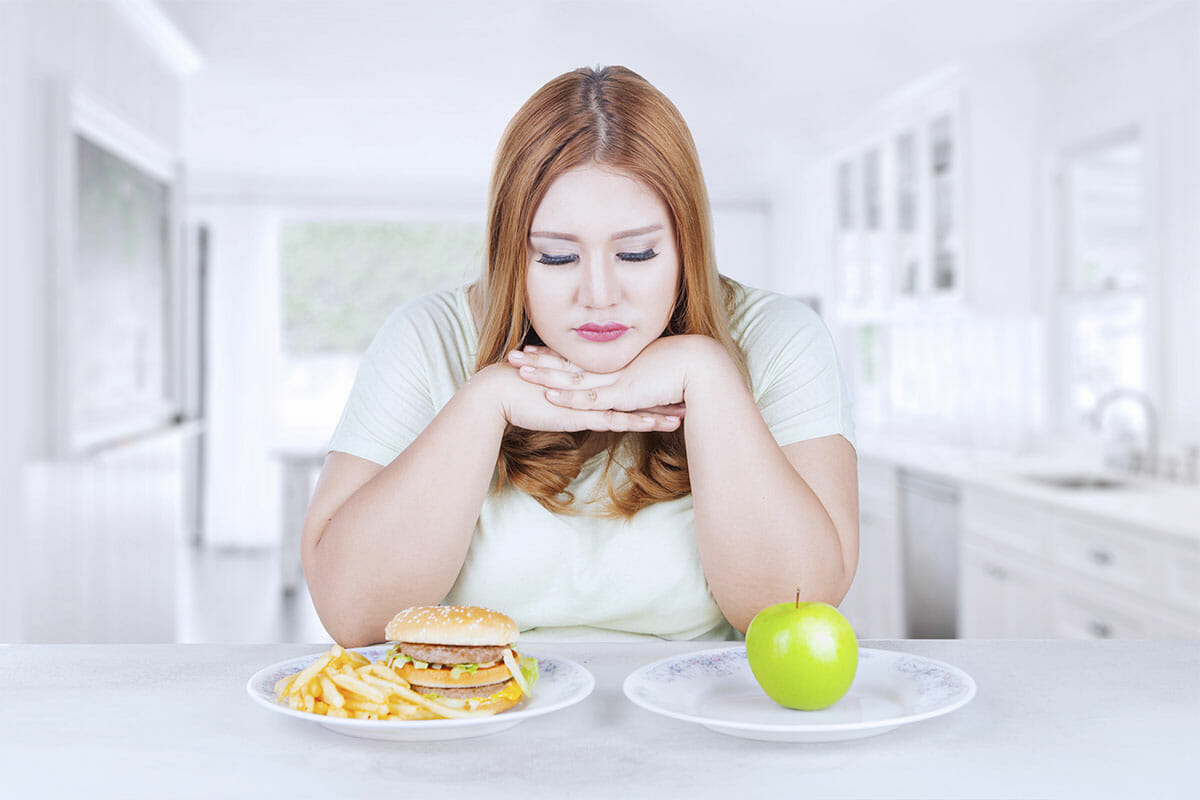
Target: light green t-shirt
{"points": [[586, 576]]}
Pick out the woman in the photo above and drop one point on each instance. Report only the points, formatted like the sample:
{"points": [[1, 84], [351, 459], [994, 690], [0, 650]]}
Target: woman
{"points": [[603, 436]]}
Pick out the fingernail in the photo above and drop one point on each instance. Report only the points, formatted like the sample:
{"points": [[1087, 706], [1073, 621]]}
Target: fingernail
{"points": [[671, 419], [551, 393], [516, 355], [527, 369], [648, 419]]}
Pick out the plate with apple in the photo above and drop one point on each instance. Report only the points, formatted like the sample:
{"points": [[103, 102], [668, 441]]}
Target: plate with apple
{"points": [[801, 677]]}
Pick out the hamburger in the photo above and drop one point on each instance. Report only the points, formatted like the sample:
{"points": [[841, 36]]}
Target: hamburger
{"points": [[461, 656]]}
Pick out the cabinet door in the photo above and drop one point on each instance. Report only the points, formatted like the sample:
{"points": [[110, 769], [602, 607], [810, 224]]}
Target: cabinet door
{"points": [[909, 257], [874, 604], [1001, 598], [945, 190]]}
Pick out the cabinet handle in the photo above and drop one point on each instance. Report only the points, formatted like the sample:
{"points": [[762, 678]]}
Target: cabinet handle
{"points": [[1100, 630], [1101, 557]]}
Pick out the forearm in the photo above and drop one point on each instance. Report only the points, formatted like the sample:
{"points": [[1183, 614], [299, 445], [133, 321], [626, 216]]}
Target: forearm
{"points": [[762, 531], [401, 539]]}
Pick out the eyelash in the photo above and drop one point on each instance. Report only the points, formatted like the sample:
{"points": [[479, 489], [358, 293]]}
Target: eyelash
{"points": [[557, 261]]}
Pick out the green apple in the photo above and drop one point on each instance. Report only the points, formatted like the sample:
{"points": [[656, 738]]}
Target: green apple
{"points": [[803, 655]]}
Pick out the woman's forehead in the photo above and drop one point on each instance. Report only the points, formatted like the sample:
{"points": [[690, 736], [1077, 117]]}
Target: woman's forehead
{"points": [[598, 200]]}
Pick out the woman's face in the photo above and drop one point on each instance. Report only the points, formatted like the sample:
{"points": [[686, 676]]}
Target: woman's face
{"points": [[603, 268]]}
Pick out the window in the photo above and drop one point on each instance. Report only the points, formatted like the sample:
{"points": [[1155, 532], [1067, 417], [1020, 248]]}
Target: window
{"points": [[339, 280], [1103, 287]]}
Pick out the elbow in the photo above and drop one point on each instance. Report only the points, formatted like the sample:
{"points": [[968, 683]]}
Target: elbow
{"points": [[349, 635], [833, 591], [337, 613]]}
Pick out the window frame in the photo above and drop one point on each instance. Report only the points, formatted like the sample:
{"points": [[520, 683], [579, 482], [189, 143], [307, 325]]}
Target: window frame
{"points": [[1065, 296]]}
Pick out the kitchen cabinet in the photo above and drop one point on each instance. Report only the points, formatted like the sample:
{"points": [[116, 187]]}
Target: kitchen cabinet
{"points": [[1001, 597], [1032, 570], [918, 183], [875, 603], [900, 206]]}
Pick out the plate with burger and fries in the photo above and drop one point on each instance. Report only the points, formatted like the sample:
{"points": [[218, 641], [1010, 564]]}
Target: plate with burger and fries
{"points": [[446, 672]]}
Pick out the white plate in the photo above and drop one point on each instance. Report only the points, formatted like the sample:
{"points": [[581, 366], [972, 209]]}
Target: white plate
{"points": [[716, 689], [561, 683]]}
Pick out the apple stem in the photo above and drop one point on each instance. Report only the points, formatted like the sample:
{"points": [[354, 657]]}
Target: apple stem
{"points": [[797, 597]]}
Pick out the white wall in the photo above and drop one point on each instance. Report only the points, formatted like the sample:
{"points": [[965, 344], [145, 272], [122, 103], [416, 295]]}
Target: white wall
{"points": [[1146, 74], [241, 488], [42, 43], [742, 243], [15, 276]]}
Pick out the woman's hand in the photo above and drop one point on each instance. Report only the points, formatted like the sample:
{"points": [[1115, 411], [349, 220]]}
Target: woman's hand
{"points": [[655, 382], [525, 405]]}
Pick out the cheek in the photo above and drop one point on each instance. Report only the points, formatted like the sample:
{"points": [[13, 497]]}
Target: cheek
{"points": [[543, 303], [664, 290]]}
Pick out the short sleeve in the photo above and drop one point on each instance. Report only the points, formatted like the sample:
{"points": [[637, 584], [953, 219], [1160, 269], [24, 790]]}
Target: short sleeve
{"points": [[391, 401], [797, 380]]}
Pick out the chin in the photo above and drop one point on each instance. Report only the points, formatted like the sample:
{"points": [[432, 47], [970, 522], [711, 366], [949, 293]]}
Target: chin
{"points": [[609, 360]]}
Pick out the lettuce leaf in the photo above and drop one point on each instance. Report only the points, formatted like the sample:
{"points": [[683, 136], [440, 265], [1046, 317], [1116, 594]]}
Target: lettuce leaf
{"points": [[529, 669]]}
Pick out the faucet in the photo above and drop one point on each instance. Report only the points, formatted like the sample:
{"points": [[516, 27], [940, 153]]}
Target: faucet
{"points": [[1150, 463]]}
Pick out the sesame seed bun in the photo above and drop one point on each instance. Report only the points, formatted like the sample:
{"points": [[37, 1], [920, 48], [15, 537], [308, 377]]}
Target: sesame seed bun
{"points": [[452, 625]]}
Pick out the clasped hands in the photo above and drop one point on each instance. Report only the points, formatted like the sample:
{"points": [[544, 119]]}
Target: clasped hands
{"points": [[647, 394]]}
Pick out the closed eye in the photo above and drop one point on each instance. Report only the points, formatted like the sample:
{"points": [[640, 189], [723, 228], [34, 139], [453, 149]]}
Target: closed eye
{"points": [[645, 255], [556, 261]]}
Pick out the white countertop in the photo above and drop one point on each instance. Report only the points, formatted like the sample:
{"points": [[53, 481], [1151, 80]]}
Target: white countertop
{"points": [[1051, 719], [1154, 506]]}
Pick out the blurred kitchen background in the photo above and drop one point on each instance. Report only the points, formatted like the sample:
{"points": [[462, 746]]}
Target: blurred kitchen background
{"points": [[207, 207]]}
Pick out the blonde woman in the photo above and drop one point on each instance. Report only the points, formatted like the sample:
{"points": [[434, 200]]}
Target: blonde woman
{"points": [[603, 436]]}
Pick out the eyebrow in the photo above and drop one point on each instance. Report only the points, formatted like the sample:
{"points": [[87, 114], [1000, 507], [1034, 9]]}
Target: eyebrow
{"points": [[621, 235]]}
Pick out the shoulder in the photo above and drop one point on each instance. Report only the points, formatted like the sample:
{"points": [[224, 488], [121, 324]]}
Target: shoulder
{"points": [[439, 317], [434, 310], [758, 316]]}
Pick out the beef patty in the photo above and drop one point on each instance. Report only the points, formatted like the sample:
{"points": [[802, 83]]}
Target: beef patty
{"points": [[451, 654], [464, 693]]}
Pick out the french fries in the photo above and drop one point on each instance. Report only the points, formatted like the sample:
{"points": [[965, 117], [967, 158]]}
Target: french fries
{"points": [[346, 684]]}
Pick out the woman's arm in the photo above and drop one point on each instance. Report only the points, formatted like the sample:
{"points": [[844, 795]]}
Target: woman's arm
{"points": [[769, 519], [380, 539]]}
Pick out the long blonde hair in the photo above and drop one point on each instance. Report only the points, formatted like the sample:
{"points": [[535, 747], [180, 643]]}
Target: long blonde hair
{"points": [[614, 117]]}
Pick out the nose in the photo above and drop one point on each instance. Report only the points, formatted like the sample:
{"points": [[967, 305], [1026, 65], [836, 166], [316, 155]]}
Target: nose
{"points": [[600, 286]]}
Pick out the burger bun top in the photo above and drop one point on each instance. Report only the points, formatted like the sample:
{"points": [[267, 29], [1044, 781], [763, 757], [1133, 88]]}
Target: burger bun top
{"points": [[453, 625]]}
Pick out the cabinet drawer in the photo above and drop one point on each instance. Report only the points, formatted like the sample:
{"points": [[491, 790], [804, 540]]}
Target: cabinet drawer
{"points": [[1104, 554], [1008, 521], [1078, 618]]}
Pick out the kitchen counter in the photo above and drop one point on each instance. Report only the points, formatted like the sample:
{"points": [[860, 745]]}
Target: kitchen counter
{"points": [[1050, 719], [1155, 506]]}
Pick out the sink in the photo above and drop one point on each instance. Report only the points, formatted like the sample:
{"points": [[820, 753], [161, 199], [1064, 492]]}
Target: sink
{"points": [[1079, 480]]}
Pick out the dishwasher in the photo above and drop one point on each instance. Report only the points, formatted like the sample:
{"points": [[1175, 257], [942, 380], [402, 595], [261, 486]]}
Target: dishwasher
{"points": [[931, 547]]}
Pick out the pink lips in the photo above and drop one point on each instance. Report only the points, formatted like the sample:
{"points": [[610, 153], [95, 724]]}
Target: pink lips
{"points": [[601, 331]]}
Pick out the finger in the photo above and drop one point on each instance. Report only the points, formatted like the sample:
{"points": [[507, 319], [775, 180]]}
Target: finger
{"points": [[565, 379], [664, 423], [597, 398], [545, 357], [674, 410], [618, 421]]}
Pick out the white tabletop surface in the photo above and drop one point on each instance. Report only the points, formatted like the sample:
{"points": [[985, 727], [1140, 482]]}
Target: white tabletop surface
{"points": [[1051, 719]]}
